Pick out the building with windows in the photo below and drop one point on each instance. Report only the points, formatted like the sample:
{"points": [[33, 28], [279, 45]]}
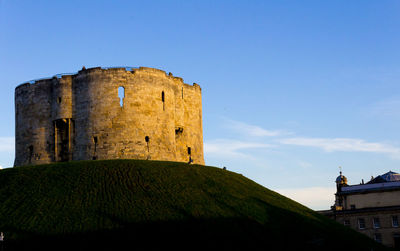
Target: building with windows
{"points": [[371, 208]]}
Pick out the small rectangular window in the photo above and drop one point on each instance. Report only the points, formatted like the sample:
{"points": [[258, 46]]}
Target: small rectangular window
{"points": [[346, 222], [377, 223], [395, 221], [378, 237], [361, 223], [352, 207]]}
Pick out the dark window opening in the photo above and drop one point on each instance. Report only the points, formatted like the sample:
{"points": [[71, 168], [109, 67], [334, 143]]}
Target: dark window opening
{"points": [[95, 140], [62, 139], [30, 149], [147, 139], [378, 237], [163, 99], [361, 223], [395, 221], [346, 222], [352, 207], [121, 95], [58, 100], [377, 223], [396, 239], [189, 150]]}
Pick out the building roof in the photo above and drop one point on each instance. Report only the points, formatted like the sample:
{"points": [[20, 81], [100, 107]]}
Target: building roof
{"points": [[387, 181], [362, 188], [387, 177]]}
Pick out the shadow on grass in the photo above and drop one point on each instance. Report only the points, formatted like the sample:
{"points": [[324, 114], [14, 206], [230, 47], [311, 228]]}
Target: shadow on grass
{"points": [[205, 234]]}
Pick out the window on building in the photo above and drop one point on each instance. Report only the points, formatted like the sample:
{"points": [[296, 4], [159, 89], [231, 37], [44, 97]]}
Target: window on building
{"points": [[378, 237], [121, 95], [163, 99], [396, 240], [346, 222], [377, 223], [361, 223], [395, 221], [352, 207]]}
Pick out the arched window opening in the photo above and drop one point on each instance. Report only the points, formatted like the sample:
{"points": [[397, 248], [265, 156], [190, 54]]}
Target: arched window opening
{"points": [[189, 150], [147, 139], [121, 95]]}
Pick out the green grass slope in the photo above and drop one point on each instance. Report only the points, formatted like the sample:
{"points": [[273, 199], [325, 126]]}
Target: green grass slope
{"points": [[142, 205]]}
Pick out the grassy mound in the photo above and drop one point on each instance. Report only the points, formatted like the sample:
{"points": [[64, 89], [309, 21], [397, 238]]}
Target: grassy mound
{"points": [[156, 205]]}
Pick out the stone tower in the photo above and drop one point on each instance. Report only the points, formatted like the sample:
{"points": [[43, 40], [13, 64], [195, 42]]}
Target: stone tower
{"points": [[108, 113]]}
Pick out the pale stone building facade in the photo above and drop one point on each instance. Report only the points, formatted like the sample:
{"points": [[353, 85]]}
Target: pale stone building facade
{"points": [[372, 208], [108, 113]]}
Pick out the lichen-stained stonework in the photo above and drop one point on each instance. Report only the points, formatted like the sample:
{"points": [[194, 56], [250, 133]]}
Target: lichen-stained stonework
{"points": [[108, 113]]}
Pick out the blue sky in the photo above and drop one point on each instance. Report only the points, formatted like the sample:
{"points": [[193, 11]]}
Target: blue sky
{"points": [[291, 89]]}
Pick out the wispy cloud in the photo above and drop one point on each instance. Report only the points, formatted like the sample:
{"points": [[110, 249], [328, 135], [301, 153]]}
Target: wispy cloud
{"points": [[6, 144], [232, 148], [253, 130], [317, 198], [343, 145]]}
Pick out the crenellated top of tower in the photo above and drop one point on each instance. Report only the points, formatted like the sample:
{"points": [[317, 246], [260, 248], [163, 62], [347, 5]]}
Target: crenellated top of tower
{"points": [[85, 71]]}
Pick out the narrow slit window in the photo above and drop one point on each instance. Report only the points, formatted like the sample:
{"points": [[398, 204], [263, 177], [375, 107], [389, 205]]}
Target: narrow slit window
{"points": [[95, 140], [58, 100], [30, 148], [147, 139], [121, 95], [163, 99], [189, 150]]}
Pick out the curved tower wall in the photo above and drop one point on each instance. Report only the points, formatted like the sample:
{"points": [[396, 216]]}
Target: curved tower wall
{"points": [[80, 117]]}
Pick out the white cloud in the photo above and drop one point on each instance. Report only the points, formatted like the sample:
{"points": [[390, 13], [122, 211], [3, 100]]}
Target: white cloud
{"points": [[316, 198], [343, 144], [252, 130], [232, 148], [7, 144]]}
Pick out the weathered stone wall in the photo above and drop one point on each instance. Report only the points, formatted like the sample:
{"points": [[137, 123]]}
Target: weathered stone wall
{"points": [[80, 117]]}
